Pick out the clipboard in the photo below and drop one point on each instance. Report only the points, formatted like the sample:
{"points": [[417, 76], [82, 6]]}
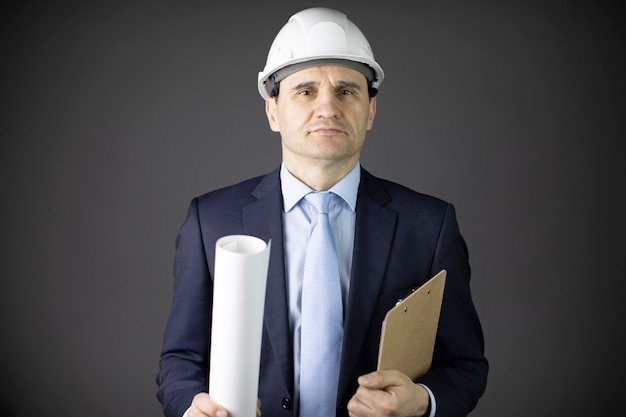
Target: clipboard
{"points": [[409, 329]]}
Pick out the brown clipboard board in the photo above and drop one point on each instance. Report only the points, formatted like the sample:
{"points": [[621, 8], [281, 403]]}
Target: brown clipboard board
{"points": [[409, 329]]}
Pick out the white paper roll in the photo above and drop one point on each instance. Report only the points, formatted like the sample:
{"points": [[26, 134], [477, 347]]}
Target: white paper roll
{"points": [[241, 264]]}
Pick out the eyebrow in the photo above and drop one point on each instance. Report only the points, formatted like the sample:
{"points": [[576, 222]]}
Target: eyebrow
{"points": [[340, 84]]}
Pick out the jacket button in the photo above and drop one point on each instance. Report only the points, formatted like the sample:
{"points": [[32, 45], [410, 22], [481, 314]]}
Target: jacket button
{"points": [[287, 403]]}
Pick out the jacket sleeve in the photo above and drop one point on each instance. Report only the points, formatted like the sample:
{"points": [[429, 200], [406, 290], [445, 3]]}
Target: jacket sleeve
{"points": [[458, 374], [183, 367]]}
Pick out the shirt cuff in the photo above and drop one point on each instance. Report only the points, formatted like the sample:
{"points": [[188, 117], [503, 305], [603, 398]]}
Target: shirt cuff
{"points": [[433, 403]]}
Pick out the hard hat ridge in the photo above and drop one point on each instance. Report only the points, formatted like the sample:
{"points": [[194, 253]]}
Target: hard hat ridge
{"points": [[313, 37]]}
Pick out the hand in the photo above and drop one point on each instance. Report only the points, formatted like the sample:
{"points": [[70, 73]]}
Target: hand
{"points": [[388, 393], [204, 406]]}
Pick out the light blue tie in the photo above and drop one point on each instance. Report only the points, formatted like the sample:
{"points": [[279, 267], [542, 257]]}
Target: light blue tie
{"points": [[322, 317]]}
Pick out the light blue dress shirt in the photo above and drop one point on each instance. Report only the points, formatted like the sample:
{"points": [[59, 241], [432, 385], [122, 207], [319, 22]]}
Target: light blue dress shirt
{"points": [[297, 215]]}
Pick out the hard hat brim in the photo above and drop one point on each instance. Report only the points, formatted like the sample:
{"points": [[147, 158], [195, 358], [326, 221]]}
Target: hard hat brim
{"points": [[277, 76]]}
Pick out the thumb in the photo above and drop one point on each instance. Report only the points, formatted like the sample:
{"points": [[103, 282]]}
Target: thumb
{"points": [[381, 379], [371, 380]]}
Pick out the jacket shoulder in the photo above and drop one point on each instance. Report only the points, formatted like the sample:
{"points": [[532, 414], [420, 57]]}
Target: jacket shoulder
{"points": [[393, 195], [240, 194]]}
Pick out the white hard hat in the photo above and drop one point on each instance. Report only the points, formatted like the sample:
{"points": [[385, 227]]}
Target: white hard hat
{"points": [[318, 36]]}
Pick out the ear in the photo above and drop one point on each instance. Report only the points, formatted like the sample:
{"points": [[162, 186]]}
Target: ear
{"points": [[372, 113], [270, 111]]}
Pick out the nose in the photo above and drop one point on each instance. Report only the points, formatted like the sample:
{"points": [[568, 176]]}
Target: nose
{"points": [[327, 104]]}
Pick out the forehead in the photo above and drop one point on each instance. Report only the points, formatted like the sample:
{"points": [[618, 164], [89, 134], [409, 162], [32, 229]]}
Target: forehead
{"points": [[319, 74]]}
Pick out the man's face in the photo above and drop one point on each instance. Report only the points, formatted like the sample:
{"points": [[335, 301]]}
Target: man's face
{"points": [[322, 114]]}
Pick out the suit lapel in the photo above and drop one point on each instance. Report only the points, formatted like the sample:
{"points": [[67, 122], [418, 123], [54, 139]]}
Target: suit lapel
{"points": [[374, 233], [263, 218]]}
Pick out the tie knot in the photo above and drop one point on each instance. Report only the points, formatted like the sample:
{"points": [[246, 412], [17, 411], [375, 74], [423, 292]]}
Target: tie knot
{"points": [[319, 200]]}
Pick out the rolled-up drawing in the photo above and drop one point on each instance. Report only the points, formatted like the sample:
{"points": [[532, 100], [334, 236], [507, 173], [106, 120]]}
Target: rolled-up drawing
{"points": [[241, 264]]}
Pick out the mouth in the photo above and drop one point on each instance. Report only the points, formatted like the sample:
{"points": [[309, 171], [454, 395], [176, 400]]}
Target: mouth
{"points": [[327, 130]]}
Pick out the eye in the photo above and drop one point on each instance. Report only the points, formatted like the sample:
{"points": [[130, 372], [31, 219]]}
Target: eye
{"points": [[345, 92]]}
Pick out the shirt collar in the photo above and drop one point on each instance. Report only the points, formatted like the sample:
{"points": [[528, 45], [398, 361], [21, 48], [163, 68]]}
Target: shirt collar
{"points": [[293, 189]]}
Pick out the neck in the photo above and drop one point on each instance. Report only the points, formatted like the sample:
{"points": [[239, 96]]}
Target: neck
{"points": [[320, 176]]}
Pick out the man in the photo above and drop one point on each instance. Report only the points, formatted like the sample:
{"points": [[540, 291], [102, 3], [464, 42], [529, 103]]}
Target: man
{"points": [[319, 86]]}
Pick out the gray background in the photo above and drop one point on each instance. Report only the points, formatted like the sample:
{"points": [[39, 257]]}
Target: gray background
{"points": [[114, 115]]}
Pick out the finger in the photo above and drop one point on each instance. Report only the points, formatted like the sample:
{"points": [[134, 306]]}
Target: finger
{"points": [[203, 405], [358, 405]]}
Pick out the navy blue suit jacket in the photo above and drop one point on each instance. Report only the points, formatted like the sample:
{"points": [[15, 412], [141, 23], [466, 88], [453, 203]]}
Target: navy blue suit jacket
{"points": [[402, 238]]}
